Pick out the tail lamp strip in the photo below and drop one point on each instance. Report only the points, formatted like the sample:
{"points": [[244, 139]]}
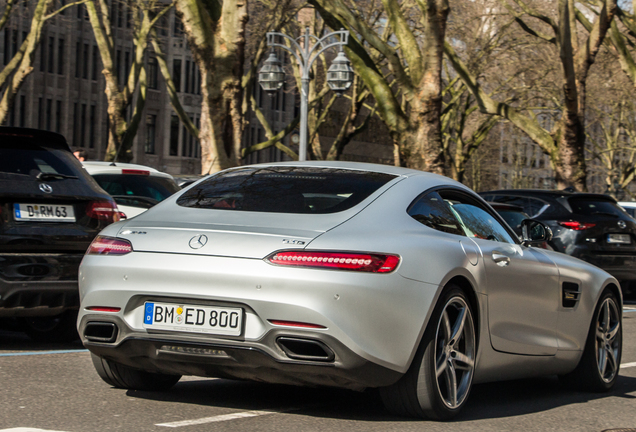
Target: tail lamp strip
{"points": [[577, 226], [352, 261], [103, 245]]}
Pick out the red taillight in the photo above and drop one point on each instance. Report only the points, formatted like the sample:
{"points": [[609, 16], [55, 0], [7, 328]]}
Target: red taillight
{"points": [[135, 172], [364, 262], [297, 324], [103, 309], [103, 210], [577, 226], [109, 246]]}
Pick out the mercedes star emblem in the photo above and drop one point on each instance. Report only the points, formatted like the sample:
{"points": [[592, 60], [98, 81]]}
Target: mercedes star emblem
{"points": [[621, 224], [45, 188], [198, 241]]}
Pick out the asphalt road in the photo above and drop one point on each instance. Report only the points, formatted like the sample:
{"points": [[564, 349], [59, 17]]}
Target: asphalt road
{"points": [[55, 388]]}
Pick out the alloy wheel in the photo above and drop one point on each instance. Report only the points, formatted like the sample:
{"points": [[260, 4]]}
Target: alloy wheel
{"points": [[455, 352], [608, 345]]}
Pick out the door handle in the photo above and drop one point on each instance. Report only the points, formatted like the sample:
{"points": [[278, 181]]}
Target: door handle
{"points": [[501, 259]]}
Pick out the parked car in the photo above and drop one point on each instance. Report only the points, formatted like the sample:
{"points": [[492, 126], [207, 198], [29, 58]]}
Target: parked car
{"points": [[50, 211], [347, 275], [514, 216], [591, 227], [135, 188], [629, 207], [185, 180]]}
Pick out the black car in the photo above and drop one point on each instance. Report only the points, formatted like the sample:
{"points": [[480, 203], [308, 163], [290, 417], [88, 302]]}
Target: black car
{"points": [[591, 227], [50, 211]]}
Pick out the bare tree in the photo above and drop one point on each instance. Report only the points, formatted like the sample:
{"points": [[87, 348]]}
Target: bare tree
{"points": [[566, 142], [21, 64]]}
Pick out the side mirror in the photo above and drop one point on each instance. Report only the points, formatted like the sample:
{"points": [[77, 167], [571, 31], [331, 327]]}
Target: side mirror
{"points": [[534, 232]]}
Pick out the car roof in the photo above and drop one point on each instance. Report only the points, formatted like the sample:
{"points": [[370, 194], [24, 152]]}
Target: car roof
{"points": [[361, 166], [52, 139], [543, 193], [98, 167]]}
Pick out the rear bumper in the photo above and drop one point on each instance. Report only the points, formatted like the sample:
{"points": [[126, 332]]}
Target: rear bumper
{"points": [[38, 284], [261, 360]]}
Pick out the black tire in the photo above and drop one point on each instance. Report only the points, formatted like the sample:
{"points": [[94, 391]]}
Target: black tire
{"points": [[598, 368], [58, 328], [125, 377], [421, 392]]}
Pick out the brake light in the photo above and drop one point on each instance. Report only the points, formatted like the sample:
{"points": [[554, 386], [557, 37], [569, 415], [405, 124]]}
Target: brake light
{"points": [[103, 309], [109, 246], [364, 262], [576, 226], [103, 210], [135, 172]]}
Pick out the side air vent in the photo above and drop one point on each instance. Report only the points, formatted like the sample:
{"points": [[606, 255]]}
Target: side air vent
{"points": [[571, 294]]}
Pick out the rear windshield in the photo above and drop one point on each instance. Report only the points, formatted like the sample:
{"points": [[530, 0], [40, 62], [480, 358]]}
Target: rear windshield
{"points": [[137, 190], [285, 190], [26, 156], [595, 207]]}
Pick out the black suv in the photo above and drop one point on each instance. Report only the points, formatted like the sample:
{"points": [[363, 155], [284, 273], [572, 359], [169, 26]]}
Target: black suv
{"points": [[591, 227], [50, 211]]}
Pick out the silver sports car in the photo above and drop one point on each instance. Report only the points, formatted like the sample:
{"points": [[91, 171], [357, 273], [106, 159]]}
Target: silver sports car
{"points": [[347, 275]]}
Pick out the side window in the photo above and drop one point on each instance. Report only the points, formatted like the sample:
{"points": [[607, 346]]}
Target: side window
{"points": [[432, 211], [475, 220], [534, 206]]}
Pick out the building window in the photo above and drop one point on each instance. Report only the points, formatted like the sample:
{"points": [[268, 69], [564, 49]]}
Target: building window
{"points": [[118, 65], [120, 14], [22, 111], [95, 63], [184, 141], [187, 77], [126, 66], [40, 116], [7, 49], [91, 127], [178, 26], [58, 116], [85, 62], [152, 73], [176, 74], [151, 121], [60, 56], [83, 125], [174, 135], [42, 56], [76, 121], [78, 59], [51, 51]]}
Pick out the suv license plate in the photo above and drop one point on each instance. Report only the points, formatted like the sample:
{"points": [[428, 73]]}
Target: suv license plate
{"points": [[43, 212], [619, 239], [190, 318]]}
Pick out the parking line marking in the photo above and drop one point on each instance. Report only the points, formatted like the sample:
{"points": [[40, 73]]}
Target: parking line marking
{"points": [[42, 353], [628, 365], [219, 418]]}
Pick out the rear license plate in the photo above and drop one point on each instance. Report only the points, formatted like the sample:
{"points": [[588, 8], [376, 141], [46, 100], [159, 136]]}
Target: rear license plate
{"points": [[43, 212], [197, 319], [619, 239]]}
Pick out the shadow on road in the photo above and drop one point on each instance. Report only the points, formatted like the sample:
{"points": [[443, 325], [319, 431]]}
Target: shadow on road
{"points": [[487, 401], [12, 340]]}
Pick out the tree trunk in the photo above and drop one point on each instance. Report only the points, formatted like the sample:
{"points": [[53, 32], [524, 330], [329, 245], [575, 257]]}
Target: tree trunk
{"points": [[216, 36]]}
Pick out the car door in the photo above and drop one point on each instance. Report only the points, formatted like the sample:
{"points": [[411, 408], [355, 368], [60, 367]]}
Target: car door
{"points": [[522, 283]]}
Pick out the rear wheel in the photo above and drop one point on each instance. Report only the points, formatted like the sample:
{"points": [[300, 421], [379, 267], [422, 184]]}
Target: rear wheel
{"points": [[439, 380], [121, 376], [58, 328], [599, 365]]}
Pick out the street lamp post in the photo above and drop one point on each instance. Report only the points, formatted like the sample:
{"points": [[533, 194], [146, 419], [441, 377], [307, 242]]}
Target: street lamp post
{"points": [[339, 75]]}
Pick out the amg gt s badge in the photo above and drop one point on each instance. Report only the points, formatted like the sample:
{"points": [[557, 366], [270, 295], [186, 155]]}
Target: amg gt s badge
{"points": [[293, 242]]}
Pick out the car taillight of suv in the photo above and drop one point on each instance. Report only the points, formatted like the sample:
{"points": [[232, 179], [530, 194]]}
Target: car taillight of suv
{"points": [[103, 210]]}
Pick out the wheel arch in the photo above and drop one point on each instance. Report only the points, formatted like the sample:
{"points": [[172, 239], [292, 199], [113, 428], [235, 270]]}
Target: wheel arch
{"points": [[616, 290]]}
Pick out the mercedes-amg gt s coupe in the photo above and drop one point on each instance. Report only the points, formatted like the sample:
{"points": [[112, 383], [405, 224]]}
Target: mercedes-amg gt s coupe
{"points": [[347, 275]]}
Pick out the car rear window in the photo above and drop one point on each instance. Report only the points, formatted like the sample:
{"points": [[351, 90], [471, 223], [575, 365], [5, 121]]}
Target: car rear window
{"points": [[137, 190], [285, 190], [587, 206], [26, 156]]}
